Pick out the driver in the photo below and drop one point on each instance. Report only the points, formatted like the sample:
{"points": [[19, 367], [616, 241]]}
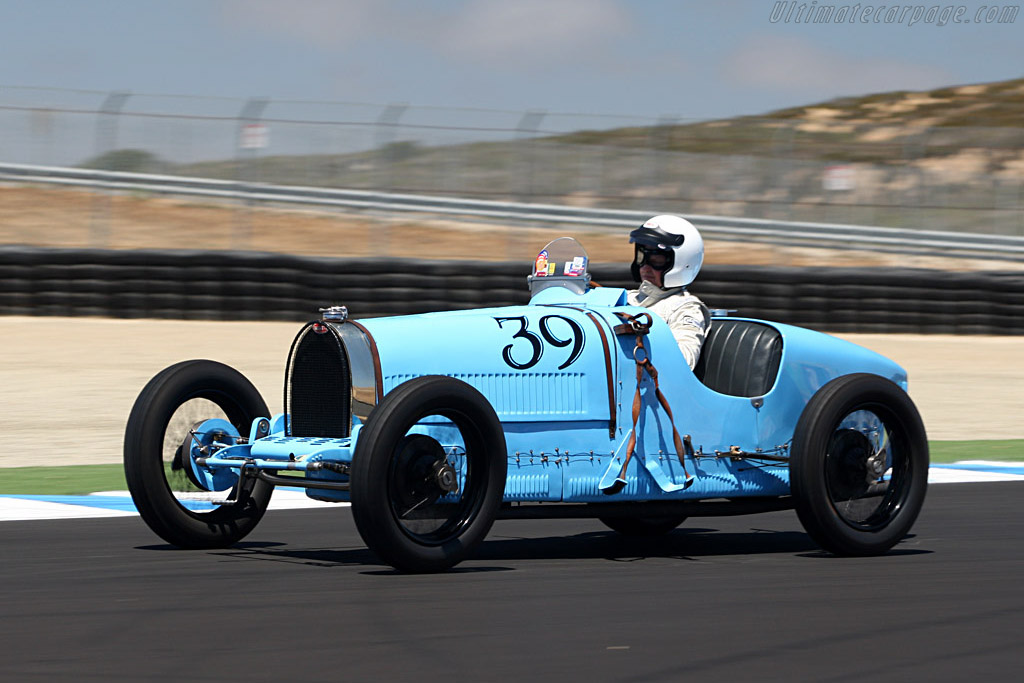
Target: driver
{"points": [[668, 255]]}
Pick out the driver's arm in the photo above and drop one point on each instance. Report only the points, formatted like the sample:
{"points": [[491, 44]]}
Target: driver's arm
{"points": [[690, 322]]}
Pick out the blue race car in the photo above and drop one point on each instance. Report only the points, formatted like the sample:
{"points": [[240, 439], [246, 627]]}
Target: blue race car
{"points": [[575, 405]]}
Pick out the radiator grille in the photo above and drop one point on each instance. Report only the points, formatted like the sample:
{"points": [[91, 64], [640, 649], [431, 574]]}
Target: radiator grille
{"points": [[318, 389]]}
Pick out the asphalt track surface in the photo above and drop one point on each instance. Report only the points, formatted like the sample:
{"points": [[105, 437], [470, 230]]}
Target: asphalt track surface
{"points": [[740, 599]]}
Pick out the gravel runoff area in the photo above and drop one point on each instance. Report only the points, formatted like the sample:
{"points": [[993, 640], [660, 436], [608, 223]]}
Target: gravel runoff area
{"points": [[68, 384]]}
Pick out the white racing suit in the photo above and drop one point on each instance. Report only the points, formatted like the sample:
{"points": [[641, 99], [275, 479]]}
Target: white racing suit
{"points": [[685, 314]]}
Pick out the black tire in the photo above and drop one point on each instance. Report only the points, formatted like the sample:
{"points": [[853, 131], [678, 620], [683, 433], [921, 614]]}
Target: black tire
{"points": [[859, 465], [145, 452], [398, 506], [643, 526]]}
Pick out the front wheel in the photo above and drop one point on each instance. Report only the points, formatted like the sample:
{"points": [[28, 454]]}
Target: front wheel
{"points": [[859, 465], [161, 427], [428, 474]]}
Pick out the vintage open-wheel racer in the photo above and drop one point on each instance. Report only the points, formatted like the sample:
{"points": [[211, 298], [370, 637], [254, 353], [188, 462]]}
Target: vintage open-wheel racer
{"points": [[434, 425]]}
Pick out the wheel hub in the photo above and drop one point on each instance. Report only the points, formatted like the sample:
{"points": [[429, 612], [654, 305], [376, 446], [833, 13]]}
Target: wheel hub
{"points": [[852, 464], [877, 466], [445, 477], [421, 473]]}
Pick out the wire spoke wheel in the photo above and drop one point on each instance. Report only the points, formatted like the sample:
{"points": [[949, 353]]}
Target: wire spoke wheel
{"points": [[183, 432], [859, 465], [866, 471], [428, 474], [432, 489], [169, 418]]}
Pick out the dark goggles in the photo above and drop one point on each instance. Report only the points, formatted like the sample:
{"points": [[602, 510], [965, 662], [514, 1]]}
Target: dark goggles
{"points": [[658, 259]]}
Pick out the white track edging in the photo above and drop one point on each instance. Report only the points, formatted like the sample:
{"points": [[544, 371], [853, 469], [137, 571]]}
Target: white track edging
{"points": [[24, 508]]}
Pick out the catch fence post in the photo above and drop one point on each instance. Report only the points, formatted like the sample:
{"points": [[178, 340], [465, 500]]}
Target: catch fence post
{"points": [[782, 153], [385, 135], [526, 130], [249, 139], [915, 196], [658, 141], [106, 143]]}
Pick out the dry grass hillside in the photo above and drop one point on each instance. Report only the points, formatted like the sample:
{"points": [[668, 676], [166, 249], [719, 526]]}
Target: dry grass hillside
{"points": [[870, 127]]}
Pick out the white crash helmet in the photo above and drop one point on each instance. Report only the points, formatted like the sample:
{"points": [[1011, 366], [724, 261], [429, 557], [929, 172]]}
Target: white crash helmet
{"points": [[675, 235]]}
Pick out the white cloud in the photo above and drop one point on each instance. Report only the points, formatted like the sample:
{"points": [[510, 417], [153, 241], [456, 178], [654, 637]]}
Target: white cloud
{"points": [[326, 23], [799, 66], [532, 30], [479, 30]]}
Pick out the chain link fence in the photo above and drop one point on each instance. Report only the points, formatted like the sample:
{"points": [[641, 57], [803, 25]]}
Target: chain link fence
{"points": [[959, 178]]}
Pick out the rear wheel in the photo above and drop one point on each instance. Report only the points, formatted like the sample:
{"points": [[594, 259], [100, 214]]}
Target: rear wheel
{"points": [[643, 526], [428, 474], [859, 465], [161, 426]]}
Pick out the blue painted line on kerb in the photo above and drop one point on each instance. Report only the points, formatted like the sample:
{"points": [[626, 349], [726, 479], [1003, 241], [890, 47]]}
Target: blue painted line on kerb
{"points": [[984, 467], [123, 503]]}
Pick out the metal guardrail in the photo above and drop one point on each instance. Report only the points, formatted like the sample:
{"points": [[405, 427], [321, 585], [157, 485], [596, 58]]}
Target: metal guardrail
{"points": [[975, 245]]}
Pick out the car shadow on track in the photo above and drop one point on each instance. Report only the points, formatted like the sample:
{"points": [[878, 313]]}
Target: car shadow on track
{"points": [[685, 544], [682, 544]]}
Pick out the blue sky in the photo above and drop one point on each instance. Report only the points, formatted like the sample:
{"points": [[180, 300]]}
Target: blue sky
{"points": [[645, 58]]}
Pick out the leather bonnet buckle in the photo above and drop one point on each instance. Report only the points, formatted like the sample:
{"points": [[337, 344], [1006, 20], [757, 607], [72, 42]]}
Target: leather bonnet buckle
{"points": [[639, 324]]}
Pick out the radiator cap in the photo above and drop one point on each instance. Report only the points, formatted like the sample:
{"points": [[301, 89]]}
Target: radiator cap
{"points": [[334, 314]]}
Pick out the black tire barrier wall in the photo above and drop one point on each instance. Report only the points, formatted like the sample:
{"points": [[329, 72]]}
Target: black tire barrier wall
{"points": [[205, 285]]}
